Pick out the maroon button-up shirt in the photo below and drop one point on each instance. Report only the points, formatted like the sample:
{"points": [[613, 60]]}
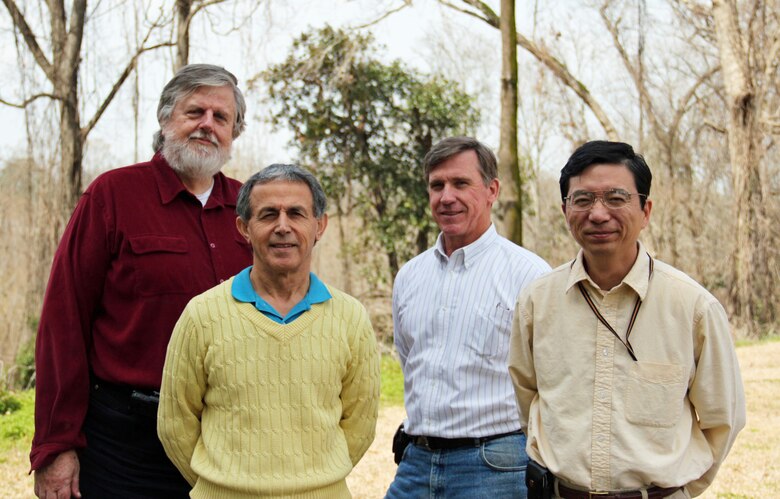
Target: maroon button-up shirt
{"points": [[136, 249]]}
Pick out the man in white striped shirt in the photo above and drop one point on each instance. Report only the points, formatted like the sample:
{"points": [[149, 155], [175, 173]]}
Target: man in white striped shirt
{"points": [[452, 318]]}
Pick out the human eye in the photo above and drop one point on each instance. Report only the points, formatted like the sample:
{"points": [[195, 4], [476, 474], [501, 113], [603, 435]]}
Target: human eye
{"points": [[617, 198], [582, 199], [436, 185]]}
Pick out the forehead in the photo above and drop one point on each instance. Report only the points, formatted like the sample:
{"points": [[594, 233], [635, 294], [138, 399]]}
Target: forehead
{"points": [[219, 98], [461, 165], [601, 177], [281, 194]]}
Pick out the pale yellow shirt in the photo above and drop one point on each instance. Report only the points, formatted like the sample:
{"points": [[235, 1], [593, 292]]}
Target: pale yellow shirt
{"points": [[598, 419]]}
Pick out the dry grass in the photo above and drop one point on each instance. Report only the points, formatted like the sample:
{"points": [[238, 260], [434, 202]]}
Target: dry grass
{"points": [[752, 470]]}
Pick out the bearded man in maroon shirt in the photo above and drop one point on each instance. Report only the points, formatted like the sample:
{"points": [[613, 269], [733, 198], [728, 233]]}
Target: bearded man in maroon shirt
{"points": [[142, 241]]}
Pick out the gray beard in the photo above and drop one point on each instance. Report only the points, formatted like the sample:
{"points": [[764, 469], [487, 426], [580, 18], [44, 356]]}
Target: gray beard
{"points": [[193, 160]]}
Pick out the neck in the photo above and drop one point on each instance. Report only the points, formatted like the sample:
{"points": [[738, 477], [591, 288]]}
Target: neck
{"points": [[607, 271], [453, 243], [282, 290], [196, 185]]}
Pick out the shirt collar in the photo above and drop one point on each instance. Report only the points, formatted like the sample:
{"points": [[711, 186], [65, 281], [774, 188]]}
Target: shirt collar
{"points": [[243, 291], [170, 186], [469, 252], [638, 278]]}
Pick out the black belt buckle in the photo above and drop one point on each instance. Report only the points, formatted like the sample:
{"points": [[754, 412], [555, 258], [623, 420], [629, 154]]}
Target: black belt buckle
{"points": [[145, 403], [422, 441]]}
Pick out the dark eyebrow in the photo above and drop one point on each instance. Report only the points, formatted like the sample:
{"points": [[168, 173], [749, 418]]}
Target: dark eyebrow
{"points": [[267, 209]]}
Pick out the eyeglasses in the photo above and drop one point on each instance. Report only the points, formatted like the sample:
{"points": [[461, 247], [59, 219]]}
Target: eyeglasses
{"points": [[614, 199]]}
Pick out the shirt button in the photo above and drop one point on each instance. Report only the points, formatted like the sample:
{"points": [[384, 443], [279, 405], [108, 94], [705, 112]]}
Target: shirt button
{"points": [[221, 280], [605, 352], [213, 245]]}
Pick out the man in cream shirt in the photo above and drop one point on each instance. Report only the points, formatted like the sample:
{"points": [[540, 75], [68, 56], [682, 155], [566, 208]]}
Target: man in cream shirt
{"points": [[624, 368]]}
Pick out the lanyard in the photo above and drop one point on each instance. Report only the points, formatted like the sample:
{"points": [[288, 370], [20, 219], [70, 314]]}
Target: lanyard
{"points": [[634, 313]]}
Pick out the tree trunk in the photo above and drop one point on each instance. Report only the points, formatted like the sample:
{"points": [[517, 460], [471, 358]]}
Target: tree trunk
{"points": [[344, 252], [510, 198], [751, 293], [183, 8], [71, 151]]}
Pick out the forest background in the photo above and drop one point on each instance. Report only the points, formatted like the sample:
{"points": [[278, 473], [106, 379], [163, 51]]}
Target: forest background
{"points": [[357, 91]]}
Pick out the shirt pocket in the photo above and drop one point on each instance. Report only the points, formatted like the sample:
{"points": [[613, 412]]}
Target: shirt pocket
{"points": [[655, 394], [161, 265], [492, 327]]}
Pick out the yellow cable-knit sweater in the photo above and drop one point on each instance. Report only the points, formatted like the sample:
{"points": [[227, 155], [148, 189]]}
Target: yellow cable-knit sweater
{"points": [[253, 408]]}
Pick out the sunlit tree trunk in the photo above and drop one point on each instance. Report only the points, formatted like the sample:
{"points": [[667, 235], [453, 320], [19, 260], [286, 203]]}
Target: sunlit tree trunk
{"points": [[183, 9], [511, 195], [752, 294]]}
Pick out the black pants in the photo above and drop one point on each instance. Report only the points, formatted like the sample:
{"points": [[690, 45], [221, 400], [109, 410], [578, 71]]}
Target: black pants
{"points": [[123, 457]]}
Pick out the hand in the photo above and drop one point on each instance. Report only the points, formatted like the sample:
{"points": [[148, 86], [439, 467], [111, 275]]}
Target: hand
{"points": [[60, 479]]}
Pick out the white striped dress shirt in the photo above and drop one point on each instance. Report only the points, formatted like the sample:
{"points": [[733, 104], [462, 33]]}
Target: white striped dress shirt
{"points": [[452, 318]]}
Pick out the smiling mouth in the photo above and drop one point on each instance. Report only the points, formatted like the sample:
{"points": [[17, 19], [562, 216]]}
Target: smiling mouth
{"points": [[204, 142], [599, 235], [202, 137]]}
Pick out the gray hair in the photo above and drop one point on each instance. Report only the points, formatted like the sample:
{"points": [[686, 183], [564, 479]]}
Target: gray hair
{"points": [[186, 81], [280, 172], [452, 146]]}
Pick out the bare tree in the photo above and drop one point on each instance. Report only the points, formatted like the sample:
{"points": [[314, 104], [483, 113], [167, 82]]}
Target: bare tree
{"points": [[61, 68], [749, 53], [664, 128], [482, 11]]}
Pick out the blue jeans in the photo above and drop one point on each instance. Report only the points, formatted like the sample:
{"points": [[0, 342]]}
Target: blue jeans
{"points": [[495, 469]]}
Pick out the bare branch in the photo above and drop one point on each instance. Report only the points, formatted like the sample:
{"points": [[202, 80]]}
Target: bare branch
{"points": [[771, 125], [491, 20], [682, 106], [406, 3], [553, 64], [29, 38], [772, 58], [716, 127], [117, 85], [633, 70], [28, 100], [200, 7]]}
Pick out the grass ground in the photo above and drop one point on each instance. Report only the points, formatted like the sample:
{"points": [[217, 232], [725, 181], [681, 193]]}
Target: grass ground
{"points": [[752, 469]]}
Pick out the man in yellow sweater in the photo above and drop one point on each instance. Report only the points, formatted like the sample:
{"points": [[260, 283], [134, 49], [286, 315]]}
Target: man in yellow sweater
{"points": [[271, 380]]}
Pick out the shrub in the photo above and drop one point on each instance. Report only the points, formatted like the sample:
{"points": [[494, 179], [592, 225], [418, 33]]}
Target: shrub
{"points": [[8, 403], [17, 427]]}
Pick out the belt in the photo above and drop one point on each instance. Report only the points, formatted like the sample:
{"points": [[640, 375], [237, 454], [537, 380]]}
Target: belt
{"points": [[439, 443], [652, 493], [123, 397]]}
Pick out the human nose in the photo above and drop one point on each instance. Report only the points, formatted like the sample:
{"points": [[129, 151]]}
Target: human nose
{"points": [[207, 120], [282, 223], [447, 195], [599, 211]]}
